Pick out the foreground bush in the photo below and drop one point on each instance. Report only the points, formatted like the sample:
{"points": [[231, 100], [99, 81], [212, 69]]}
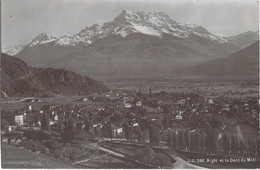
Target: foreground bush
{"points": [[147, 155], [34, 146], [37, 134]]}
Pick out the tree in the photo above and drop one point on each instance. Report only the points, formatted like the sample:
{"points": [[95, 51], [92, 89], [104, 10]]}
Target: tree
{"points": [[110, 130], [258, 148], [236, 144], [70, 123], [232, 144], [241, 147], [4, 124], [157, 137], [255, 146], [169, 138], [151, 134], [173, 140], [45, 125], [208, 140], [186, 138], [180, 140], [79, 125], [87, 125], [213, 141], [215, 123], [126, 130], [138, 133], [157, 123], [226, 144], [69, 131], [131, 133], [249, 146], [91, 131], [202, 136], [192, 142], [196, 141], [166, 116]]}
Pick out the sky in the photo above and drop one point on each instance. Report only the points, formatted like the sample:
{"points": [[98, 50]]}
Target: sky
{"points": [[22, 20]]}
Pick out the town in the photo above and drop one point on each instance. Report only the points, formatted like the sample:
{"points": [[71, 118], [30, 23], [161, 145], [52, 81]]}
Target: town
{"points": [[187, 123]]}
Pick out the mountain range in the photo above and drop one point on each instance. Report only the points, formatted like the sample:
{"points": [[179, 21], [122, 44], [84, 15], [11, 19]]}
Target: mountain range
{"points": [[133, 43], [13, 50], [19, 79], [242, 63]]}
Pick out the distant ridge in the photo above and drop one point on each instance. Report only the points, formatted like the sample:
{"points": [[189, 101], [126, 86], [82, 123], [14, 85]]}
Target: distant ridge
{"points": [[19, 79], [242, 63]]}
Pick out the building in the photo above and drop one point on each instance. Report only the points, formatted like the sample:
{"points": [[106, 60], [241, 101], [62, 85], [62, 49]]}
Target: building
{"points": [[19, 120], [139, 103], [211, 101], [128, 105]]}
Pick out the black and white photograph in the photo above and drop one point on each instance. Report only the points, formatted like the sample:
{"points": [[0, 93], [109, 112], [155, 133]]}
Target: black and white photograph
{"points": [[130, 84]]}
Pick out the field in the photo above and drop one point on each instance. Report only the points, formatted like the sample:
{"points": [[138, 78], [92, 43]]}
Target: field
{"points": [[13, 157], [12, 103], [240, 87], [108, 162]]}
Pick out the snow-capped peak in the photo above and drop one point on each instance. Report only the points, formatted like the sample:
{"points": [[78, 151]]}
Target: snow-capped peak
{"points": [[127, 22], [42, 38], [156, 24], [123, 16], [13, 50]]}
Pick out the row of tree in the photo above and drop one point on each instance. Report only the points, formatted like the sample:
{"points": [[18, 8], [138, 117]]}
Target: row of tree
{"points": [[142, 131], [213, 142]]}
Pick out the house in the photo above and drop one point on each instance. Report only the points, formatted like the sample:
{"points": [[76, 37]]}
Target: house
{"points": [[52, 122], [182, 101], [128, 105], [226, 109], [19, 120], [101, 109], [181, 111], [56, 118], [118, 131], [179, 117], [29, 99], [125, 99], [82, 99], [9, 128], [211, 101], [150, 109], [139, 103]]}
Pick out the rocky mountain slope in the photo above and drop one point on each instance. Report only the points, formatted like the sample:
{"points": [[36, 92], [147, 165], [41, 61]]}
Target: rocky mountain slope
{"points": [[140, 54], [242, 63], [245, 39], [19, 79]]}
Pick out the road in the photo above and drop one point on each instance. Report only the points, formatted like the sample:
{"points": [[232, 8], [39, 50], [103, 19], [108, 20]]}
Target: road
{"points": [[180, 164]]}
